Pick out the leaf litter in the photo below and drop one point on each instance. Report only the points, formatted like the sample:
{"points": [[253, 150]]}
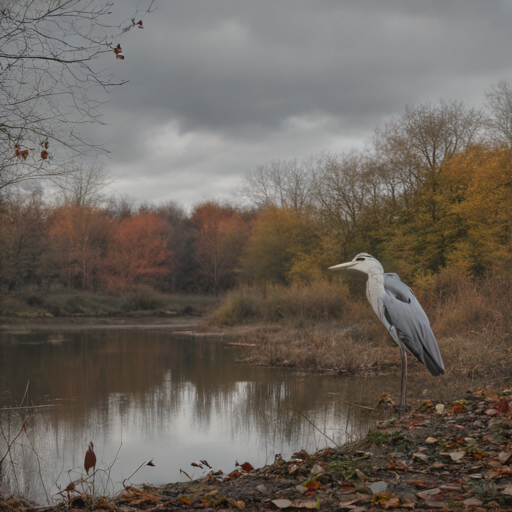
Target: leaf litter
{"points": [[432, 458]]}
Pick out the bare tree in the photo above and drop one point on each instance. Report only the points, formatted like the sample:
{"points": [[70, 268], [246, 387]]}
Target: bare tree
{"points": [[51, 83], [283, 184], [499, 107], [83, 185], [342, 190], [417, 142]]}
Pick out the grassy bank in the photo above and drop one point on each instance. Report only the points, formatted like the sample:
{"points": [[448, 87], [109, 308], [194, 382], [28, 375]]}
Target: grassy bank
{"points": [[142, 301], [324, 327]]}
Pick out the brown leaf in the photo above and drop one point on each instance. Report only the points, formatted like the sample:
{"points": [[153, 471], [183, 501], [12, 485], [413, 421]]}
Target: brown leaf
{"points": [[247, 467], [139, 24], [121, 57], [44, 154]]}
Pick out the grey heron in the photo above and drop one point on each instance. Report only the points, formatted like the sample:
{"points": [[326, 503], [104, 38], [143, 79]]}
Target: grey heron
{"points": [[400, 312]]}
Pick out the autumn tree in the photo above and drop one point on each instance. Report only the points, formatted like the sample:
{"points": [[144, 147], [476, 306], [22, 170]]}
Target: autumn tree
{"points": [[51, 82], [477, 187], [79, 241], [183, 272], [416, 143], [137, 252], [220, 237], [278, 238], [24, 248]]}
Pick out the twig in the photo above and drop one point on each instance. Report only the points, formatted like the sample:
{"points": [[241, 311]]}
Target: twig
{"points": [[12, 442], [26, 393], [323, 433], [30, 407], [143, 464], [355, 405]]}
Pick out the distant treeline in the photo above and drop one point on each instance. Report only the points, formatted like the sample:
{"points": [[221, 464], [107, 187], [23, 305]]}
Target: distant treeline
{"points": [[433, 189]]}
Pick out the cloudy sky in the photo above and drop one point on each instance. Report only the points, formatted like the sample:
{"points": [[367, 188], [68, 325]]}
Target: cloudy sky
{"points": [[218, 87]]}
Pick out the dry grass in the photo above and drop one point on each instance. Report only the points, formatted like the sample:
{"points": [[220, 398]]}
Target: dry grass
{"points": [[321, 328]]}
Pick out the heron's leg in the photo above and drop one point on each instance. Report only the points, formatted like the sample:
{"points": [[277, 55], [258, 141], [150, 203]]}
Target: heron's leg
{"points": [[403, 390]]}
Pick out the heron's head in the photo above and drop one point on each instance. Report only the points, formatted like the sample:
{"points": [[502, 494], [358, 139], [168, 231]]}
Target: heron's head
{"points": [[362, 262]]}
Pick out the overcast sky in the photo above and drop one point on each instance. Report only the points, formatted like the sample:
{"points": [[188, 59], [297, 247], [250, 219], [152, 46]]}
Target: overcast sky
{"points": [[218, 87]]}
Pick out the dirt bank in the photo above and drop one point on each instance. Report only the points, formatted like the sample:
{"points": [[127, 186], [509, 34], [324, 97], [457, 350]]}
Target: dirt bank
{"points": [[449, 456]]}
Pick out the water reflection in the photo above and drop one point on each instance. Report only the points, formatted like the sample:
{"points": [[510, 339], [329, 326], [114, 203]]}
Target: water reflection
{"points": [[144, 394]]}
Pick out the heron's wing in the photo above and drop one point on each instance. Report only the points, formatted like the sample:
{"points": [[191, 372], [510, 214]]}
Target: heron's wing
{"points": [[403, 311]]}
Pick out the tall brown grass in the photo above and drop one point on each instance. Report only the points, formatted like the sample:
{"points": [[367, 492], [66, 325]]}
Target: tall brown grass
{"points": [[322, 328]]}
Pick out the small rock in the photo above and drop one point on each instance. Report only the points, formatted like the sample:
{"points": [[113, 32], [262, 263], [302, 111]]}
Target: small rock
{"points": [[282, 503], [316, 469], [471, 441], [421, 456], [431, 440], [262, 488], [440, 408], [492, 412], [428, 493], [379, 487], [507, 490], [472, 502], [504, 456], [301, 488]]}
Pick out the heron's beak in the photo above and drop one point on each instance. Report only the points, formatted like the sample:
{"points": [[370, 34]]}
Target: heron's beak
{"points": [[343, 265]]}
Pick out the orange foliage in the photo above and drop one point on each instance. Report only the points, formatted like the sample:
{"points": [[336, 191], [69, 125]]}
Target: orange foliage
{"points": [[220, 238], [137, 250], [79, 236]]}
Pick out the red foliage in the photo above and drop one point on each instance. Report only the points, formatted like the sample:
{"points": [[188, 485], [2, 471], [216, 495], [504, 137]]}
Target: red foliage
{"points": [[137, 251]]}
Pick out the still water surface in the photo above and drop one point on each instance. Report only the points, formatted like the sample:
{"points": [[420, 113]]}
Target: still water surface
{"points": [[149, 394]]}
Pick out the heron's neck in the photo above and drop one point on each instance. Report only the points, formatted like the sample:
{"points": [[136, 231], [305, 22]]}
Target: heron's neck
{"points": [[375, 271]]}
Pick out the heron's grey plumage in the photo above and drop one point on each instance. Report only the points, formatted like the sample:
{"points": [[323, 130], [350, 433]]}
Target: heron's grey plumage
{"points": [[398, 309], [402, 310]]}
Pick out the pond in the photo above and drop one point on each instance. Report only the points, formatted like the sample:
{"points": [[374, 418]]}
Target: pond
{"points": [[144, 395]]}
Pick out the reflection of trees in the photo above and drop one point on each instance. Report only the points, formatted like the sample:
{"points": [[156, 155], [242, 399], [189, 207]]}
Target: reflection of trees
{"points": [[137, 387]]}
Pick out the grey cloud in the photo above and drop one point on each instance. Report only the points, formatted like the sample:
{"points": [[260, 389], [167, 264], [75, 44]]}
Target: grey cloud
{"points": [[241, 73]]}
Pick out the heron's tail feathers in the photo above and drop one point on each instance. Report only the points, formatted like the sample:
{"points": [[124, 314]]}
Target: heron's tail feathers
{"points": [[436, 368], [424, 348]]}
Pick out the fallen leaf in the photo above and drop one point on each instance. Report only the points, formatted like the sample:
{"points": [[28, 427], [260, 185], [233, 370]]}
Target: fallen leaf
{"points": [[431, 440], [360, 474], [436, 504], [393, 502], [311, 503], [420, 456], [379, 487], [457, 456]]}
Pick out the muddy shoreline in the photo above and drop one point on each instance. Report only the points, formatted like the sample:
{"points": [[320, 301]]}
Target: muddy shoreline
{"points": [[438, 456], [442, 454]]}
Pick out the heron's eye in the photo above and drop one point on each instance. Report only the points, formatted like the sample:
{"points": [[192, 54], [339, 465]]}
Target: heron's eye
{"points": [[360, 259]]}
